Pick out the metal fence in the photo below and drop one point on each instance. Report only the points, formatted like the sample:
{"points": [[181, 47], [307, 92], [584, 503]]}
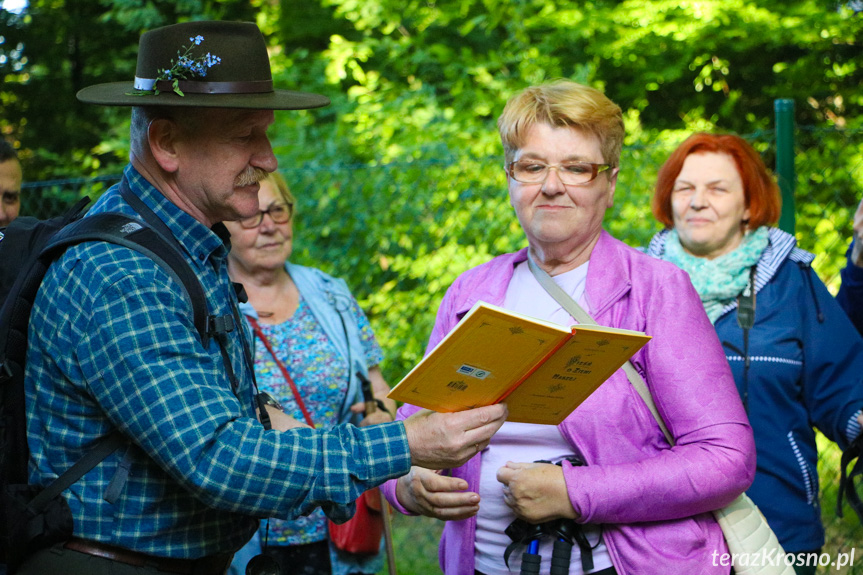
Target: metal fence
{"points": [[399, 233]]}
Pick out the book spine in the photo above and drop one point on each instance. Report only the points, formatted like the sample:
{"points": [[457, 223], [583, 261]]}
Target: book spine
{"points": [[530, 372]]}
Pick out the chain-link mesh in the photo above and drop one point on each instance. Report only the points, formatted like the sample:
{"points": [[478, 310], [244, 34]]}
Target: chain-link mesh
{"points": [[400, 233], [829, 165]]}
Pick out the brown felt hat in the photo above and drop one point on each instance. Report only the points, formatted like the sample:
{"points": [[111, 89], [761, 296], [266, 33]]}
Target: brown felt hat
{"points": [[213, 65]]}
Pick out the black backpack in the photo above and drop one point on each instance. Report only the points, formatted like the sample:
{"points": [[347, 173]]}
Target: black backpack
{"points": [[32, 518]]}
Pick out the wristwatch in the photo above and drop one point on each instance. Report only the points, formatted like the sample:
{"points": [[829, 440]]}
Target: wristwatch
{"points": [[267, 399]]}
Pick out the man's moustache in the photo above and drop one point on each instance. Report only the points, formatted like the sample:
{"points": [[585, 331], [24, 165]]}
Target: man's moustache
{"points": [[250, 176]]}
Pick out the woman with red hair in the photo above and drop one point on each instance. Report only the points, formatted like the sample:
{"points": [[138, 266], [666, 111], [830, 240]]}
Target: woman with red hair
{"points": [[796, 358]]}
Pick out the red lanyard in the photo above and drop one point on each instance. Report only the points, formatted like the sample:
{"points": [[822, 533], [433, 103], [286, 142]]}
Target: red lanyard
{"points": [[258, 332]]}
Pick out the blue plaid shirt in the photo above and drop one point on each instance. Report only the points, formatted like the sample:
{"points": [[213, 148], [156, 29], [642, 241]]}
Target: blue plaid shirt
{"points": [[112, 346]]}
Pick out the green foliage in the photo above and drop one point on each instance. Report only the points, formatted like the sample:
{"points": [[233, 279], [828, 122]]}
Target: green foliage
{"points": [[56, 48], [400, 182], [417, 73], [830, 177]]}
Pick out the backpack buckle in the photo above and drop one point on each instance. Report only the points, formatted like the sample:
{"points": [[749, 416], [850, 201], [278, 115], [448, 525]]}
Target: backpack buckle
{"points": [[220, 324]]}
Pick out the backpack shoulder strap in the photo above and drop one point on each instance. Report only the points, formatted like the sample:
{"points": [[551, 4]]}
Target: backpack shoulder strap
{"points": [[127, 231], [105, 447]]}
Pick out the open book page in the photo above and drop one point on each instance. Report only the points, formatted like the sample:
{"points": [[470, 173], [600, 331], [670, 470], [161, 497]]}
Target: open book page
{"points": [[575, 371], [541, 369], [480, 360]]}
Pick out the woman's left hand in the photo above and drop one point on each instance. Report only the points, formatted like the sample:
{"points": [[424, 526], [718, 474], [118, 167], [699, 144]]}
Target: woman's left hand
{"points": [[536, 492]]}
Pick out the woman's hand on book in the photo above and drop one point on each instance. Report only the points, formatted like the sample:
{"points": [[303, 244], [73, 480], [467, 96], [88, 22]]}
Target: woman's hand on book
{"points": [[379, 416], [429, 493]]}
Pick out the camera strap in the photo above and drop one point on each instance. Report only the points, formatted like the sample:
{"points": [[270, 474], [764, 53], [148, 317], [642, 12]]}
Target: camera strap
{"points": [[746, 320], [290, 380]]}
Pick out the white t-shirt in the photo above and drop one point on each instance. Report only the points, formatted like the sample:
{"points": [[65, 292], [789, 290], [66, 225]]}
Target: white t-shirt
{"points": [[527, 442]]}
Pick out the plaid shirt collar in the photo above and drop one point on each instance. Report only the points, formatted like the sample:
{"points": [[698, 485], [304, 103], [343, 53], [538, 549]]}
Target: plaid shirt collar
{"points": [[201, 243]]}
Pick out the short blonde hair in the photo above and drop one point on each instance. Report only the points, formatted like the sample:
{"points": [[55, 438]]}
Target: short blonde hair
{"points": [[282, 186], [563, 103]]}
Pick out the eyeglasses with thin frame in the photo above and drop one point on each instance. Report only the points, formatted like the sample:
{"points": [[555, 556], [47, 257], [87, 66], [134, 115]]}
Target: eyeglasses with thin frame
{"points": [[280, 213], [570, 173]]}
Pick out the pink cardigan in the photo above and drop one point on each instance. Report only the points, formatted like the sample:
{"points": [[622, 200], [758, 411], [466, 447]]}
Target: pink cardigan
{"points": [[655, 501]]}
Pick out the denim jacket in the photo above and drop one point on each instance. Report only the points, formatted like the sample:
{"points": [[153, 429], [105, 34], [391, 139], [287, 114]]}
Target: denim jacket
{"points": [[330, 302], [806, 369]]}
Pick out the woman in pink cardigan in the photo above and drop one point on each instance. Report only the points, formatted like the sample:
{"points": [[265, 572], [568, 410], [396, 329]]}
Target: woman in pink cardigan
{"points": [[642, 506]]}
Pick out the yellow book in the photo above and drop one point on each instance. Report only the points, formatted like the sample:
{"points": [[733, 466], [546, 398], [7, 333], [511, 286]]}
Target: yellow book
{"points": [[541, 369]]}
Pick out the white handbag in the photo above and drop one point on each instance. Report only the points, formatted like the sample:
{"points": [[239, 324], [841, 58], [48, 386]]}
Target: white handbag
{"points": [[752, 545], [751, 541]]}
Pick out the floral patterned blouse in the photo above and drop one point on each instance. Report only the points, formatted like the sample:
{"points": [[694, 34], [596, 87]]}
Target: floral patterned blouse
{"points": [[321, 377]]}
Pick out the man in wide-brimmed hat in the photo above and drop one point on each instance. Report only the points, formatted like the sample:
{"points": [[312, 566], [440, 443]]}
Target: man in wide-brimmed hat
{"points": [[114, 346]]}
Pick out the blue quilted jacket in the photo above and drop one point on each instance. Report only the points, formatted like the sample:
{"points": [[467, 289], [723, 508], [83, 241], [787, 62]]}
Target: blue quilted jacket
{"points": [[806, 369]]}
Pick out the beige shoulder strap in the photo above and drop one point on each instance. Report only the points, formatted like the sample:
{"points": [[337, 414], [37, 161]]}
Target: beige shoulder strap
{"points": [[576, 311]]}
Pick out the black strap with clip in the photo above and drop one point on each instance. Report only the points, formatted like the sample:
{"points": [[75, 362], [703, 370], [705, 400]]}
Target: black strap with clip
{"points": [[746, 320], [846, 480]]}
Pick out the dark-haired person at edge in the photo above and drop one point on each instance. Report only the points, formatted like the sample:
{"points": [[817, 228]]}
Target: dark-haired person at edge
{"points": [[10, 183], [644, 506], [800, 363], [113, 345], [315, 327], [850, 295]]}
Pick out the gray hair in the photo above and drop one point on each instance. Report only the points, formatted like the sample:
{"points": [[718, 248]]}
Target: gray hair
{"points": [[143, 116]]}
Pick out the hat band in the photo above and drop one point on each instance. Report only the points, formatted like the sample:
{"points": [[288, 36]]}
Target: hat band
{"points": [[196, 87]]}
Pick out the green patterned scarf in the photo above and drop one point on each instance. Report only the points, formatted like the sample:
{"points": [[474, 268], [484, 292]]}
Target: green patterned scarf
{"points": [[720, 280]]}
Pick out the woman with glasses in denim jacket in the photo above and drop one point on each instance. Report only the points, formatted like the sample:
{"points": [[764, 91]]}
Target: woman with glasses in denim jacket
{"points": [[308, 323]]}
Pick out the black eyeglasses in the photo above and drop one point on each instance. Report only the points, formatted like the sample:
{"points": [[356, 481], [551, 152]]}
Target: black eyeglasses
{"points": [[570, 173], [279, 213]]}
